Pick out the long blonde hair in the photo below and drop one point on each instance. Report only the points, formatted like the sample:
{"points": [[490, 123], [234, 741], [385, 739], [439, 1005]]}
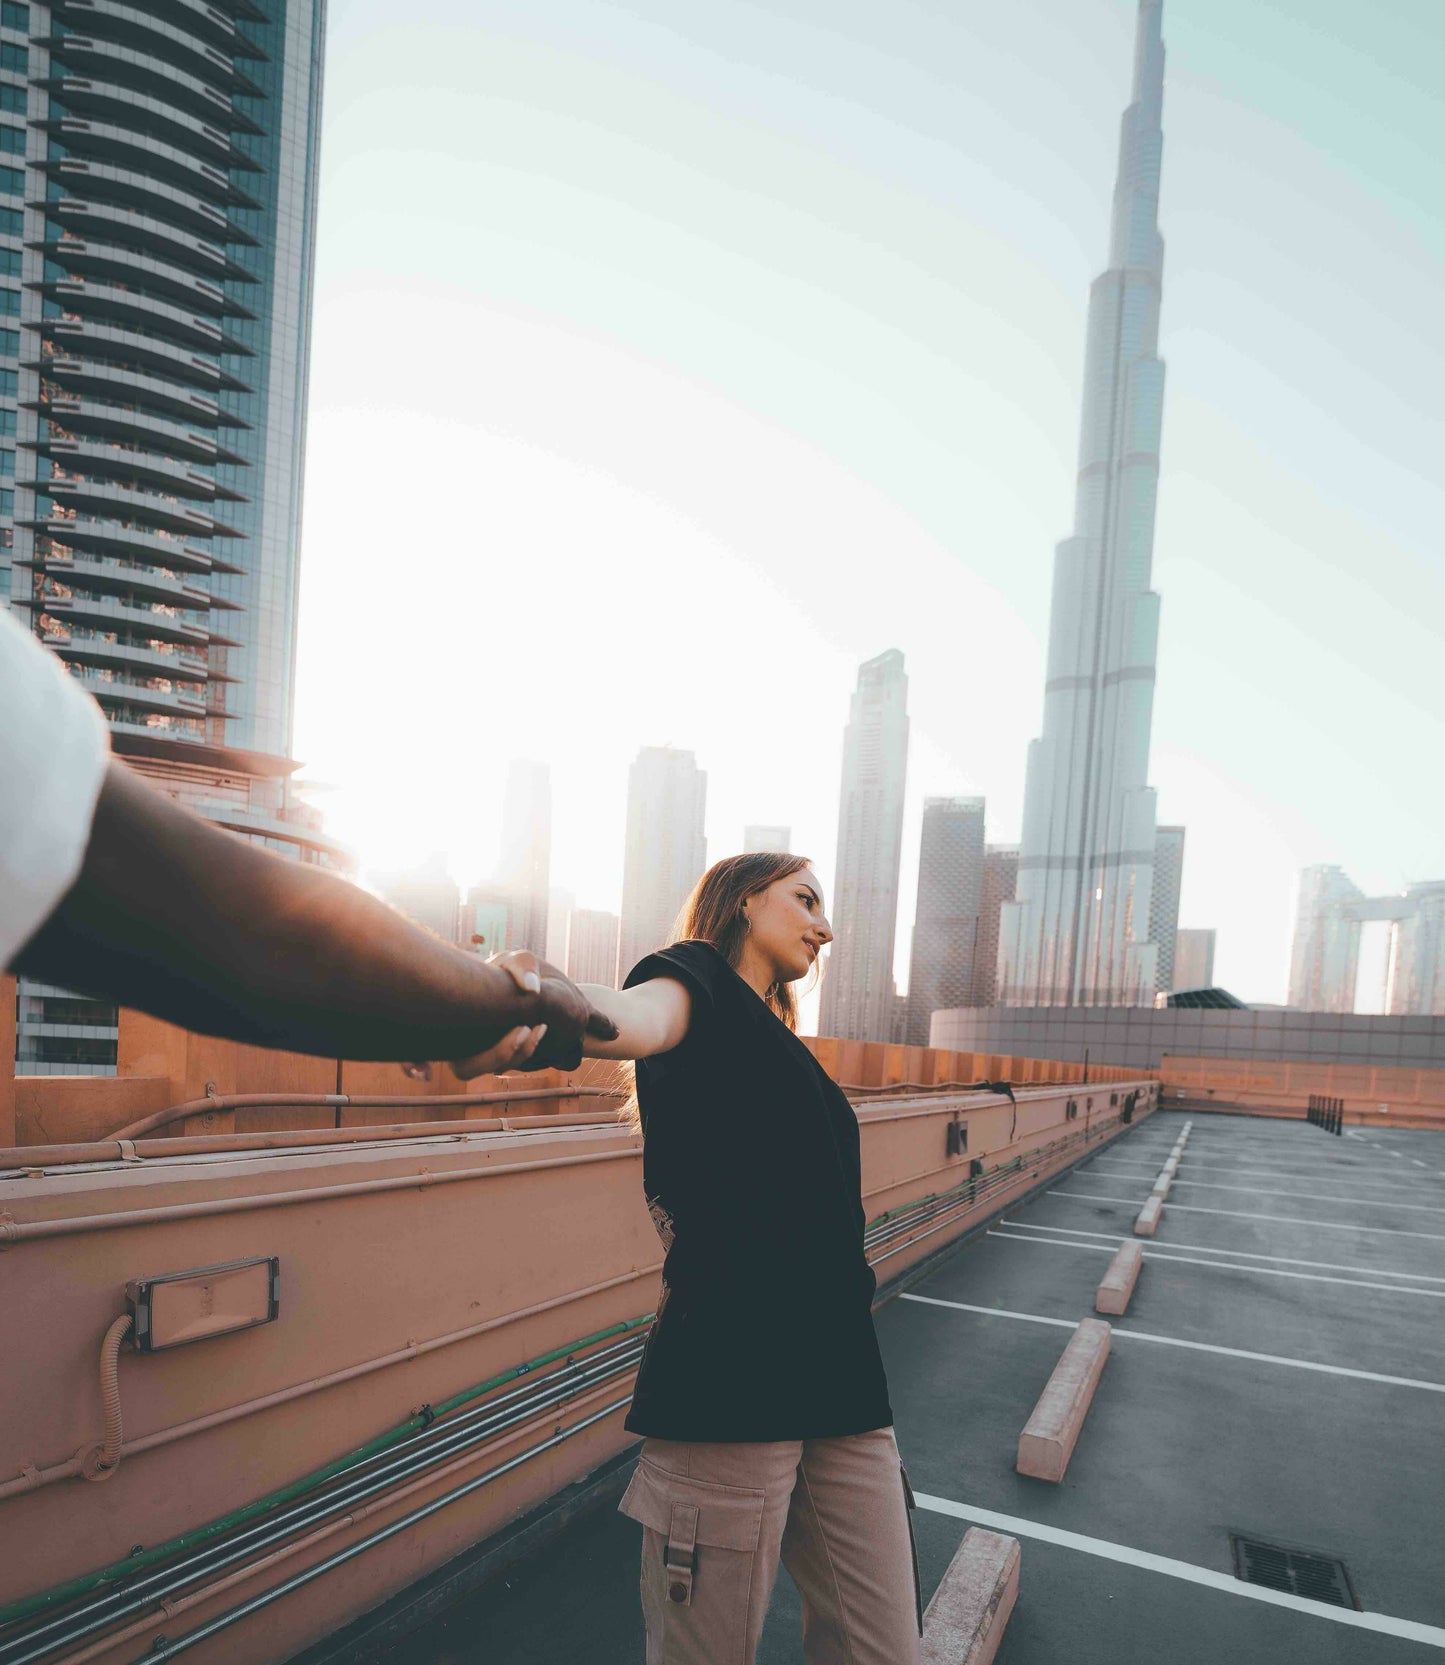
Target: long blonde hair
{"points": [[714, 913]]}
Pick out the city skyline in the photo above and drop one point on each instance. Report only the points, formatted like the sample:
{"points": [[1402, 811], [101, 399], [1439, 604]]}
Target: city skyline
{"points": [[912, 400]]}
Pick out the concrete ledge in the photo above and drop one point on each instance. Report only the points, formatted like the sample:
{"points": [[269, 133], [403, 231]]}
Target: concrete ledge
{"points": [[1148, 1222], [1117, 1284], [965, 1620], [1050, 1434]]}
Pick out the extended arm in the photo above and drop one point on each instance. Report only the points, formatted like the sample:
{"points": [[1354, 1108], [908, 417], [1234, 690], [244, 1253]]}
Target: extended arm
{"points": [[651, 1017], [177, 918]]}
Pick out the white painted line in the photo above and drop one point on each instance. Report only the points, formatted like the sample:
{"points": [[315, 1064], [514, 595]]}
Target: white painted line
{"points": [[1241, 1254], [1409, 1630], [1237, 1214], [1300, 1196], [1338, 1176], [1222, 1265], [1418, 1163], [1193, 1346]]}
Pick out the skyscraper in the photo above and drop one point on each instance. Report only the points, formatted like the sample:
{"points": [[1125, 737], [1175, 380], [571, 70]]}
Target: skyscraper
{"points": [[666, 848], [858, 991], [946, 919], [527, 852], [560, 903], [1078, 932], [1324, 960], [1193, 960], [592, 947], [1000, 883], [1324, 966], [1164, 903], [486, 913], [428, 894], [761, 837], [156, 256]]}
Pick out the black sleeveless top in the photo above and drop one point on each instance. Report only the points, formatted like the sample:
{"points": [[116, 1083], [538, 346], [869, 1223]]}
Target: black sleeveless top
{"points": [[751, 1172]]}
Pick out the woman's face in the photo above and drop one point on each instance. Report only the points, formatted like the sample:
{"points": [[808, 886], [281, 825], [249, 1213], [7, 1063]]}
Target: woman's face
{"points": [[787, 924]]}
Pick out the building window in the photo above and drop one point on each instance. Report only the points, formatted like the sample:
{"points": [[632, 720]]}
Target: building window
{"points": [[7, 420], [7, 464], [10, 260], [12, 182], [12, 99], [12, 140], [9, 303], [15, 16], [9, 380], [9, 343], [16, 58], [7, 501], [12, 222]]}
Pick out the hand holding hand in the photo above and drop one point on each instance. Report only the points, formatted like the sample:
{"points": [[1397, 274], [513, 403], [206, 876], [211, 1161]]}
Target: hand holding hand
{"points": [[567, 1017]]}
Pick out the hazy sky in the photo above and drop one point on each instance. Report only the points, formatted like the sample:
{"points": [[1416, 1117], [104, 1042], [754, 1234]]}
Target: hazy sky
{"points": [[671, 360]]}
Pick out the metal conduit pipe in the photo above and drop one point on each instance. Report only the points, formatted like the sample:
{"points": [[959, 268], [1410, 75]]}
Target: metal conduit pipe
{"points": [[206, 1144], [400, 1464], [99, 1462], [35, 1478], [949, 1201], [364, 1101], [29, 1231], [170, 1649], [126, 1569], [208, 1592]]}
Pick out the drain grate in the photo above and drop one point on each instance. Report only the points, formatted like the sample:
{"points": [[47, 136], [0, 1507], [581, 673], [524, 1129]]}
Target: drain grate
{"points": [[1295, 1571]]}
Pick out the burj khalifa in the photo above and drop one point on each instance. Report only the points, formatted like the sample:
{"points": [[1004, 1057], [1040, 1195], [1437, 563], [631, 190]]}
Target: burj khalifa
{"points": [[1077, 934]]}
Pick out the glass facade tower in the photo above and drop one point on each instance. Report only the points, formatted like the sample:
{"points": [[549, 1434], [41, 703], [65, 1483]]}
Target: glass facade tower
{"points": [[1077, 933], [157, 209]]}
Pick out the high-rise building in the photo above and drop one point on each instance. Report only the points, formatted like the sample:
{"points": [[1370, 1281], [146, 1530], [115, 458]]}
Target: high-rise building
{"points": [[1193, 960], [1164, 903], [666, 848], [157, 212], [1324, 965], [592, 947], [560, 903], [527, 852], [1077, 932], [858, 991], [946, 919], [1000, 882], [427, 894], [760, 837], [486, 914], [1324, 960]]}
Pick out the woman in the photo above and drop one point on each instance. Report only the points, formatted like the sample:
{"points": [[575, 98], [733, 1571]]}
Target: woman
{"points": [[761, 1392]]}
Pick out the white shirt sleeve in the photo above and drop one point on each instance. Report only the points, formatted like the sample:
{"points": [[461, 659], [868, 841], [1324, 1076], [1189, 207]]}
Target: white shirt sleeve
{"points": [[54, 747]]}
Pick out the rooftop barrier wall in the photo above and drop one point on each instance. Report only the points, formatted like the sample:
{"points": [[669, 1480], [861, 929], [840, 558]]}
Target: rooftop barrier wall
{"points": [[1383, 1095], [500, 1281]]}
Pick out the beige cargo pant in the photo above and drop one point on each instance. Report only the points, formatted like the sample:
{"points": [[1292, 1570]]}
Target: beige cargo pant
{"points": [[717, 1517]]}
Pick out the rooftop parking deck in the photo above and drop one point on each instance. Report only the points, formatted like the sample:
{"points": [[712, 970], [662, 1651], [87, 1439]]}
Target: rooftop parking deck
{"points": [[1279, 1376]]}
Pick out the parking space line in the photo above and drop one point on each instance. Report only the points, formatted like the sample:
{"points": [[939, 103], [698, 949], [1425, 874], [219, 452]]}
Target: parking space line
{"points": [[1193, 1346], [1243, 1254], [1222, 1265], [1238, 1214], [1336, 1175], [1303, 1196], [1409, 1630]]}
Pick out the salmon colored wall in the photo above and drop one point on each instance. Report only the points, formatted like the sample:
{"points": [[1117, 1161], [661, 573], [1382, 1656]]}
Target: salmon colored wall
{"points": [[365, 1275], [1384, 1095], [8, 1133]]}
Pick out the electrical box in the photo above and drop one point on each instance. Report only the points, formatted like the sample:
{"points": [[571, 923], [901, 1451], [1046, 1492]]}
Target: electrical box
{"points": [[178, 1307]]}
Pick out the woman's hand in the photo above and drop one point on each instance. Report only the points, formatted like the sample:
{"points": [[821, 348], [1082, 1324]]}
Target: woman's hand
{"points": [[569, 1016]]}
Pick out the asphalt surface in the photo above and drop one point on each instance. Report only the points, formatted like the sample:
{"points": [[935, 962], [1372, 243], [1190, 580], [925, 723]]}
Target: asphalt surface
{"points": [[1183, 1445]]}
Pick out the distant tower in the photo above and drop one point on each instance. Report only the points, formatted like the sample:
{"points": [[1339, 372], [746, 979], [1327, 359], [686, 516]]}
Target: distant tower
{"points": [[1000, 882], [758, 837], [945, 926], [858, 1000], [560, 903], [666, 849], [427, 894], [592, 947], [1164, 903], [1193, 960], [486, 913], [527, 852], [1324, 963], [1077, 934]]}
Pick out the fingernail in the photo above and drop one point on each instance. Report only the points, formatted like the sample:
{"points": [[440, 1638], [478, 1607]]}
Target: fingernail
{"points": [[539, 1031], [533, 982]]}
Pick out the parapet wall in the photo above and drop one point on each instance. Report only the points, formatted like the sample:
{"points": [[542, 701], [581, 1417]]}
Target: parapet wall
{"points": [[500, 1281]]}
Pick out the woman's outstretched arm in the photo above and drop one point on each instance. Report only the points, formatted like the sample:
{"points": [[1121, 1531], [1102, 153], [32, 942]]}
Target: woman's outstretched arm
{"points": [[651, 1017]]}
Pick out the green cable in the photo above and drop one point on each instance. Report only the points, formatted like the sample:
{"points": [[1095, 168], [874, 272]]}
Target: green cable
{"points": [[118, 1571]]}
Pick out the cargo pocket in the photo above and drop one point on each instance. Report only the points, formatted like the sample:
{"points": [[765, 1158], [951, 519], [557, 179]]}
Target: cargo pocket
{"points": [[700, 1541], [912, 1547]]}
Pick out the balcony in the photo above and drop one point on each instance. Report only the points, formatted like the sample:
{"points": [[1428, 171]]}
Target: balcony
{"points": [[168, 626], [75, 457], [125, 386], [148, 508], [91, 418]]}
